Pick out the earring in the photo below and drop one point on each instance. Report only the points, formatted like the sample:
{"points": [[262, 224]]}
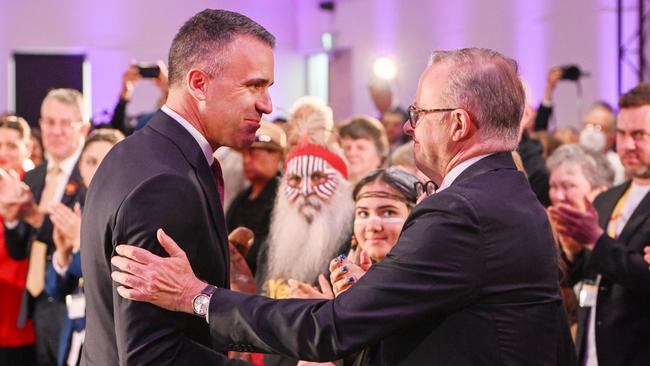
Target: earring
{"points": [[353, 242]]}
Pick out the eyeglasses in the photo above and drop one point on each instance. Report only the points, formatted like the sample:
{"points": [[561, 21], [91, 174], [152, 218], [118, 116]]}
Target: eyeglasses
{"points": [[427, 187], [416, 113]]}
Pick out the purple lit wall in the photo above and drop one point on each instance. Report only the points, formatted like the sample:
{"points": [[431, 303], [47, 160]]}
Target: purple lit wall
{"points": [[116, 32], [538, 33]]}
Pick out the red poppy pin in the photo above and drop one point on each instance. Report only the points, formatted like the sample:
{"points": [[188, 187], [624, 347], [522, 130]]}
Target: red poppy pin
{"points": [[70, 188]]}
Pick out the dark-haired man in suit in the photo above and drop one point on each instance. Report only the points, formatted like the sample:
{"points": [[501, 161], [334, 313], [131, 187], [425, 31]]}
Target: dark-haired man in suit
{"points": [[220, 69], [614, 312]]}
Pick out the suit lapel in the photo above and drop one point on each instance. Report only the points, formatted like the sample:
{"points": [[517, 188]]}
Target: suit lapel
{"points": [[74, 190], [609, 200], [180, 137], [37, 183], [638, 217]]}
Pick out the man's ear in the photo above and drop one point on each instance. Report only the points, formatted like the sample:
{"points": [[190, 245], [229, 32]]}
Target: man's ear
{"points": [[197, 82], [462, 125]]}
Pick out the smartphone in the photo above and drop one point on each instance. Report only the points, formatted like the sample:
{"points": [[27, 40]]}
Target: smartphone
{"points": [[149, 70]]}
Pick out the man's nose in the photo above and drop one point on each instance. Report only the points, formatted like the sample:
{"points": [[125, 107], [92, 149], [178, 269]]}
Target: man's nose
{"points": [[265, 104], [406, 127]]}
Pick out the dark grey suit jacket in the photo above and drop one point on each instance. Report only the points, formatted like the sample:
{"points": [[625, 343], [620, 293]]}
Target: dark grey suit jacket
{"points": [[158, 177], [473, 280], [623, 303]]}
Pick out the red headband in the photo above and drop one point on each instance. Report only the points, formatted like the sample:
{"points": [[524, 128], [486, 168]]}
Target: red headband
{"points": [[316, 150]]}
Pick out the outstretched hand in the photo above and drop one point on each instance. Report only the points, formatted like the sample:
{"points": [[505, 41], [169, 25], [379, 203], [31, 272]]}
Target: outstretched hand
{"points": [[301, 290], [646, 257], [168, 282]]}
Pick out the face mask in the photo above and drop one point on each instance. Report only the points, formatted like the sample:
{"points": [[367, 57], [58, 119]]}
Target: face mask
{"points": [[592, 139]]}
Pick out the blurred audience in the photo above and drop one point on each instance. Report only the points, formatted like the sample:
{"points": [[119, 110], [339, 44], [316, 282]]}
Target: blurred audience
{"points": [[598, 129], [607, 254], [393, 120], [16, 342], [131, 77], [576, 174], [364, 144], [64, 280], [28, 230], [312, 214], [252, 207]]}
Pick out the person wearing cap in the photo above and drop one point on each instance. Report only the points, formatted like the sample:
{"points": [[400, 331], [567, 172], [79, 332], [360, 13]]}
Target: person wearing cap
{"points": [[252, 207]]}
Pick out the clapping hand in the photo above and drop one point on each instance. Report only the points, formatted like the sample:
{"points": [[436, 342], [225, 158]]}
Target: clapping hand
{"points": [[575, 223], [13, 195], [67, 231], [344, 273]]}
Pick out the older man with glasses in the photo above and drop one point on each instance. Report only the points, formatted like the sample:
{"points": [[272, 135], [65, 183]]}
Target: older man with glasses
{"points": [[472, 279]]}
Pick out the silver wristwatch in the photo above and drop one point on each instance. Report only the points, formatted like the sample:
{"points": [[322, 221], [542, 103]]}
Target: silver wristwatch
{"points": [[201, 301]]}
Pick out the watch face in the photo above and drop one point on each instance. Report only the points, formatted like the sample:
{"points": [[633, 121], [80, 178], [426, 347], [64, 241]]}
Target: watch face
{"points": [[200, 304]]}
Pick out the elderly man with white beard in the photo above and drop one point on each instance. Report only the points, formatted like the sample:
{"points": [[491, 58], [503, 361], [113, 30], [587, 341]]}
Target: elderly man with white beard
{"points": [[311, 221]]}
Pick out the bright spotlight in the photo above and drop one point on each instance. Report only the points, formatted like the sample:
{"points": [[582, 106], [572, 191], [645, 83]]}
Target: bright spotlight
{"points": [[385, 68]]}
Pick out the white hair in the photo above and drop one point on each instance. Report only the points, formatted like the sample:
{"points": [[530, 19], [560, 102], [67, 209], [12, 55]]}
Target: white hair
{"points": [[300, 249]]}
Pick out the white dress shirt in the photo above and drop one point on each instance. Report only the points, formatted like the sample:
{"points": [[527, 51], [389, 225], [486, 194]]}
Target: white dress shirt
{"points": [[200, 139], [457, 170]]}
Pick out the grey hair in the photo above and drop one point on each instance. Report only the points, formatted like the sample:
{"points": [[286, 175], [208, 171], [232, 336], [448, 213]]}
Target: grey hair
{"points": [[595, 167], [206, 32], [487, 85], [70, 97]]}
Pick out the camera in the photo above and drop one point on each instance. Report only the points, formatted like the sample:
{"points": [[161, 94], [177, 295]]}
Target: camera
{"points": [[148, 70], [572, 72]]}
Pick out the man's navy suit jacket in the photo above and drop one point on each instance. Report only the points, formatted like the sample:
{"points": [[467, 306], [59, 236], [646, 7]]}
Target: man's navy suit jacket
{"points": [[156, 178], [472, 280]]}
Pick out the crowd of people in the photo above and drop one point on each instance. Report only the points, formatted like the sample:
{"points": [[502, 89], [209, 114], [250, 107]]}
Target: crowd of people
{"points": [[467, 213]]}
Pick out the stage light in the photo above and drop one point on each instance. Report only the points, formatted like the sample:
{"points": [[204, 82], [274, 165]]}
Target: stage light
{"points": [[385, 68], [327, 41]]}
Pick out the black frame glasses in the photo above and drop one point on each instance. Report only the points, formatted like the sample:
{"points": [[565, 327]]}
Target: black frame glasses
{"points": [[428, 187], [416, 113]]}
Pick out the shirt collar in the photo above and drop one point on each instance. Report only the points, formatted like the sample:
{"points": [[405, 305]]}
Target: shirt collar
{"points": [[200, 139], [67, 164], [457, 170]]}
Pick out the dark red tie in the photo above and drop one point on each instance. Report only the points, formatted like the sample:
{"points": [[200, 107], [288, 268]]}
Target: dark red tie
{"points": [[218, 177]]}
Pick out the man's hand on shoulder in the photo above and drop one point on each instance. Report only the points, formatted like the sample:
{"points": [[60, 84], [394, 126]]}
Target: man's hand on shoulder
{"points": [[168, 282]]}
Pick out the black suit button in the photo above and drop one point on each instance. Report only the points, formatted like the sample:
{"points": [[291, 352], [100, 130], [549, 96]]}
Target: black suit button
{"points": [[603, 288], [599, 323]]}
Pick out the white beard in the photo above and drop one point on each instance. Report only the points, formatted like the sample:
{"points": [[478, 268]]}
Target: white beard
{"points": [[302, 249]]}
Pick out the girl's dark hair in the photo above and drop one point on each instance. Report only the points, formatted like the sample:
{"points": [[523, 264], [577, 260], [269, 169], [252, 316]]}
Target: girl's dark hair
{"points": [[110, 135], [396, 178]]}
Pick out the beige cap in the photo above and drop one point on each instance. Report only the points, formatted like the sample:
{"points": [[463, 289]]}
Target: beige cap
{"points": [[270, 136]]}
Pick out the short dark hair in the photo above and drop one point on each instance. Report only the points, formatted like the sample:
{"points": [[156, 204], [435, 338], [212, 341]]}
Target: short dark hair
{"points": [[636, 97], [396, 178], [205, 32], [365, 127], [110, 135]]}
